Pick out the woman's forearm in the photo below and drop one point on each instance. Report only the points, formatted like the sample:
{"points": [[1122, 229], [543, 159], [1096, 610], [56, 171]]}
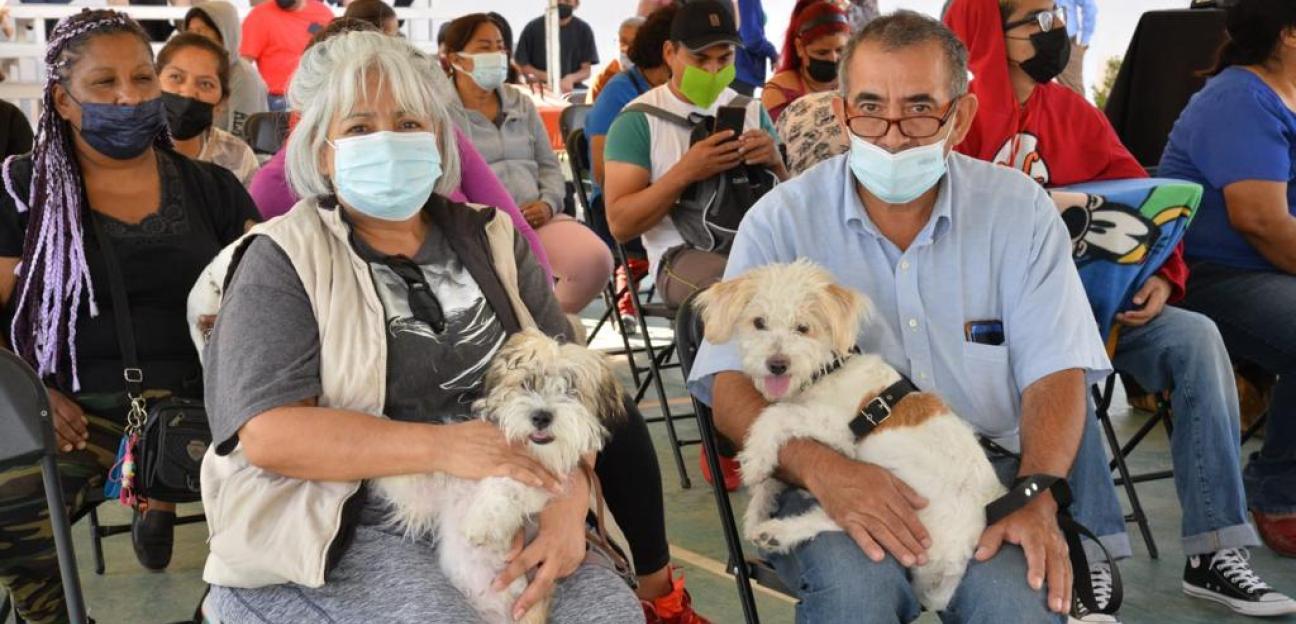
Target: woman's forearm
{"points": [[323, 444]]}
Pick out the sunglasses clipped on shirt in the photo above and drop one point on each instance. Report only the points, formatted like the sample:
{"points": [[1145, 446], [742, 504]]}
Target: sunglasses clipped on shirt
{"points": [[422, 302]]}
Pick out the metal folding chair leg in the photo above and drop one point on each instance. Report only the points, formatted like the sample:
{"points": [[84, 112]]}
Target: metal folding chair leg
{"points": [[1136, 515], [737, 561]]}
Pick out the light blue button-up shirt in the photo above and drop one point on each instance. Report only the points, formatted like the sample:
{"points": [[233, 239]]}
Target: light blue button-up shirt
{"points": [[994, 249], [1081, 18]]}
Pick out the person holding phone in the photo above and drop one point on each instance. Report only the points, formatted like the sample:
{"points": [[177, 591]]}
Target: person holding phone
{"points": [[650, 161]]}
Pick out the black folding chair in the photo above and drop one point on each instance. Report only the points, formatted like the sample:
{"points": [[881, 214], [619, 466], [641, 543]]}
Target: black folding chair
{"points": [[688, 339], [1121, 452], [266, 132], [27, 437], [577, 146]]}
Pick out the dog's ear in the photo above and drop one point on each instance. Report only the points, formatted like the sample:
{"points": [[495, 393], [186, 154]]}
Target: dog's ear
{"points": [[597, 382], [844, 310], [517, 353], [722, 306]]}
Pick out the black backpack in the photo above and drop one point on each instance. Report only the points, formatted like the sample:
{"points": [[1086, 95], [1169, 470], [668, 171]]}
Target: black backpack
{"points": [[708, 212]]}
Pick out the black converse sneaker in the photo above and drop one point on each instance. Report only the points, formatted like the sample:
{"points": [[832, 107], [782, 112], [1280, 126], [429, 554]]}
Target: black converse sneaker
{"points": [[1226, 577], [1101, 577]]}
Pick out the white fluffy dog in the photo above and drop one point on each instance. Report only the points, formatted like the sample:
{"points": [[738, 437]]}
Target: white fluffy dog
{"points": [[796, 330], [559, 398]]}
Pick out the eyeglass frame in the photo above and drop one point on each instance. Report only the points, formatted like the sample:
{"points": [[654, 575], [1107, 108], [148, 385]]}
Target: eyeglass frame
{"points": [[941, 121], [1056, 18]]}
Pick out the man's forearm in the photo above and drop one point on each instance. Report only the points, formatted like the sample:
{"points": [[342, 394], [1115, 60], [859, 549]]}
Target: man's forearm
{"points": [[631, 215], [1053, 413]]}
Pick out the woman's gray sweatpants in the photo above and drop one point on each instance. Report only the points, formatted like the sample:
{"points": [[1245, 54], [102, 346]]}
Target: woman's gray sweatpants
{"points": [[385, 578]]}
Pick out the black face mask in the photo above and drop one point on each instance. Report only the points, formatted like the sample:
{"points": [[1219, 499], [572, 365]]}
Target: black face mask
{"points": [[1052, 52], [565, 11], [286, 4], [121, 132], [186, 117], [821, 70]]}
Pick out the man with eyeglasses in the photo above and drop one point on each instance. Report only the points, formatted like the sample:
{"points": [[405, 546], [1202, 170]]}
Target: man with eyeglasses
{"points": [[1037, 126], [974, 296]]}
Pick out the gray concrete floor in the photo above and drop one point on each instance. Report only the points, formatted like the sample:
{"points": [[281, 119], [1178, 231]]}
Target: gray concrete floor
{"points": [[128, 594]]}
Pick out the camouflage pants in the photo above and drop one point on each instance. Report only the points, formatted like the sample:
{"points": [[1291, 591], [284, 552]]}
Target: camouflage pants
{"points": [[29, 568]]}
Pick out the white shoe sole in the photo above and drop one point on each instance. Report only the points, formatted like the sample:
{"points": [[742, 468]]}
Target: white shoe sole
{"points": [[1107, 619], [1245, 607]]}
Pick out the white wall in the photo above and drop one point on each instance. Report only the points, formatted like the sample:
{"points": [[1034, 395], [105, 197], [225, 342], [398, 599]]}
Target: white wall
{"points": [[1116, 20]]}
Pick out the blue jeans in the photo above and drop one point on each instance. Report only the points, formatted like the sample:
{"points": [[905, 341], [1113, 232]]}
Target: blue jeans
{"points": [[1095, 505], [1254, 313], [1182, 351], [836, 582]]}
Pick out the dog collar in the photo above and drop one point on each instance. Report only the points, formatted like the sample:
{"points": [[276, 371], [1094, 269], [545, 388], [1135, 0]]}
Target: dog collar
{"points": [[833, 366], [875, 412]]}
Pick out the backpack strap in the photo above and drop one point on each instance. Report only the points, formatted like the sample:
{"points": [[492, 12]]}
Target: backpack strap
{"points": [[660, 113]]}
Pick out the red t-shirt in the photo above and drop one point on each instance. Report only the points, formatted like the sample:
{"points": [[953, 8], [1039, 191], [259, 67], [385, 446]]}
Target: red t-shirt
{"points": [[275, 39], [1056, 137]]}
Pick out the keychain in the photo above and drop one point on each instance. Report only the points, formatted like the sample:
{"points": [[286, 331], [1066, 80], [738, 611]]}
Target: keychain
{"points": [[121, 479]]}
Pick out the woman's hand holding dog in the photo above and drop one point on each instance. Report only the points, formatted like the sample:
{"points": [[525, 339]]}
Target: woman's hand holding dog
{"points": [[556, 552], [477, 449], [878, 510], [1034, 528]]}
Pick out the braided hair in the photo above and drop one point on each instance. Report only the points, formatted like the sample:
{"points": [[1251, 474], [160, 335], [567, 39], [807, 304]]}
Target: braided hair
{"points": [[53, 276]]}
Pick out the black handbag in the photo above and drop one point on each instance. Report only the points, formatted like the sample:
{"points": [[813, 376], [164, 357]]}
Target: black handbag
{"points": [[173, 432]]}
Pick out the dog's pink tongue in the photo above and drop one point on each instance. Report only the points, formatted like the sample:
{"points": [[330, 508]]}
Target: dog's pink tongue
{"points": [[777, 385]]}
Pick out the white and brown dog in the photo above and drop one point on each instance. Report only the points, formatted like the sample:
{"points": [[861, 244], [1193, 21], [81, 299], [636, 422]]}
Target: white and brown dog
{"points": [[796, 332], [558, 398]]}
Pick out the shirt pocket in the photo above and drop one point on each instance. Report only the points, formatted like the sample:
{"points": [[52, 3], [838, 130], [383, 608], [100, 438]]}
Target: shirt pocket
{"points": [[992, 387]]}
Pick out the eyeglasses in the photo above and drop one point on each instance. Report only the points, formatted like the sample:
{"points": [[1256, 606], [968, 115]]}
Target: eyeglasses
{"points": [[916, 127], [423, 304], [1047, 21]]}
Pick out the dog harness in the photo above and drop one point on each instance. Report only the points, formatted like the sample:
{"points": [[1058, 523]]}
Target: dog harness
{"points": [[875, 412]]}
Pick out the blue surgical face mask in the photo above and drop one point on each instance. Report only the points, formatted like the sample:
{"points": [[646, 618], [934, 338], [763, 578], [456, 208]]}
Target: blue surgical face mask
{"points": [[489, 69], [901, 177], [121, 132], [386, 175]]}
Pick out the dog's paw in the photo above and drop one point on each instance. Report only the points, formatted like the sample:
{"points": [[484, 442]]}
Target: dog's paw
{"points": [[767, 541]]}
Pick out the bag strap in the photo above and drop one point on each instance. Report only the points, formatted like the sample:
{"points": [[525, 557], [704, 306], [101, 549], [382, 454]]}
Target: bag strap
{"points": [[1027, 489], [658, 112], [131, 371]]}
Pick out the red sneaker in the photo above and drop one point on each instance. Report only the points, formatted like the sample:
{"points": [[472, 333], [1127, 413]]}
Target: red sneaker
{"points": [[638, 270], [1277, 531], [673, 608], [728, 467]]}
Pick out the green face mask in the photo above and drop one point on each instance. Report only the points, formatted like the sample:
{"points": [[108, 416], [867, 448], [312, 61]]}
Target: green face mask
{"points": [[703, 87]]}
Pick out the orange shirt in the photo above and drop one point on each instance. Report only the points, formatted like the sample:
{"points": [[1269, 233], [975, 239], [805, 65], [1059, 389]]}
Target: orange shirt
{"points": [[276, 38]]}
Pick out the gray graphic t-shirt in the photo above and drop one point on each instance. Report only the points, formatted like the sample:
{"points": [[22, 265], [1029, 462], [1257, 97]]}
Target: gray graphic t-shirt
{"points": [[454, 360]]}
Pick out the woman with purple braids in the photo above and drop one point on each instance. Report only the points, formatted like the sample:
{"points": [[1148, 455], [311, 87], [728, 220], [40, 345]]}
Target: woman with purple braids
{"points": [[102, 153]]}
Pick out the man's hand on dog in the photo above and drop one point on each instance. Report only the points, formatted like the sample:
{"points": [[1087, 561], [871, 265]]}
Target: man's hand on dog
{"points": [[557, 550], [1034, 528], [878, 510]]}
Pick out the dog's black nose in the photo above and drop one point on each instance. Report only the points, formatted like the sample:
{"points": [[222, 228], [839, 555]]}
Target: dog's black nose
{"points": [[777, 365], [541, 418]]}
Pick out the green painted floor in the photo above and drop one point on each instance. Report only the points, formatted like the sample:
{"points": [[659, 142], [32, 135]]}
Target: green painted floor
{"points": [[128, 594]]}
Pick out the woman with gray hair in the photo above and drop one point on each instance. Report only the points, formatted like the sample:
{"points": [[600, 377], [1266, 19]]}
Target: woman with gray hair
{"points": [[375, 295]]}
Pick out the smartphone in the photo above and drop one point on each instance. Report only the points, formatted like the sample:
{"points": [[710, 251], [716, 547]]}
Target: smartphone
{"points": [[731, 118]]}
